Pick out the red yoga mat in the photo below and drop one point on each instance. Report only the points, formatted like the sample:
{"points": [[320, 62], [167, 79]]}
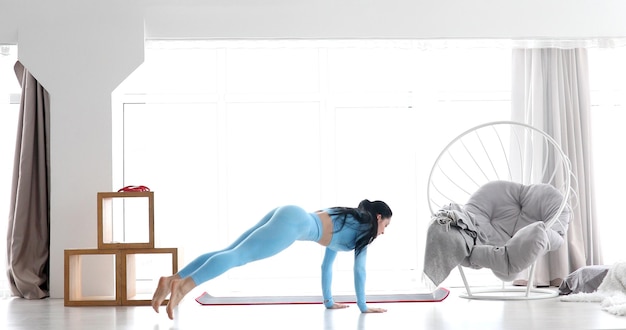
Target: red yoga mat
{"points": [[436, 296]]}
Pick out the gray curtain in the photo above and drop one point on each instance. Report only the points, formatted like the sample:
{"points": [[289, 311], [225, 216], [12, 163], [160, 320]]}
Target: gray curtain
{"points": [[28, 236], [551, 92]]}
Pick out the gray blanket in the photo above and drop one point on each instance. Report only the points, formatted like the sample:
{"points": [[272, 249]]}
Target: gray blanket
{"points": [[450, 239]]}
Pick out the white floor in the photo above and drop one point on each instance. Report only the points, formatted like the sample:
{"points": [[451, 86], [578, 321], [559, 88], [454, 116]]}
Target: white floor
{"points": [[452, 313]]}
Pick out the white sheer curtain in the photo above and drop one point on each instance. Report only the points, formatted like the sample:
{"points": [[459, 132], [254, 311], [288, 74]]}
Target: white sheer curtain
{"points": [[9, 109], [550, 90]]}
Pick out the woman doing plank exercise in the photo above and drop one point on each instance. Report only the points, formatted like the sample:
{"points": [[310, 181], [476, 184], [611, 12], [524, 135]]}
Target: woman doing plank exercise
{"points": [[336, 228]]}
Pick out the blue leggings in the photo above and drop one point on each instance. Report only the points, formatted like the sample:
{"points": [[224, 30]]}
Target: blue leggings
{"points": [[279, 229]]}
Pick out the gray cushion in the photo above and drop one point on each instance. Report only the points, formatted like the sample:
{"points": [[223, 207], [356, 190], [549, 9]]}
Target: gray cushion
{"points": [[502, 208], [512, 216]]}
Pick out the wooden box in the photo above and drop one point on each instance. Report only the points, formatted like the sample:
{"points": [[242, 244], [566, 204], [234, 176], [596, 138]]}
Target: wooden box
{"points": [[123, 273], [105, 265], [126, 220], [162, 261]]}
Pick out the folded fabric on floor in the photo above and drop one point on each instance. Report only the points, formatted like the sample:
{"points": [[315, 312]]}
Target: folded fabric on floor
{"points": [[611, 293], [584, 279], [436, 296]]}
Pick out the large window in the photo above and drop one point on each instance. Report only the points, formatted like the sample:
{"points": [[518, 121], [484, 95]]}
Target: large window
{"points": [[9, 106], [223, 131]]}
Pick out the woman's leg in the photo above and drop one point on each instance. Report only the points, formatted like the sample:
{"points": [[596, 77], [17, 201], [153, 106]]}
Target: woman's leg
{"points": [[164, 286], [199, 261], [286, 225]]}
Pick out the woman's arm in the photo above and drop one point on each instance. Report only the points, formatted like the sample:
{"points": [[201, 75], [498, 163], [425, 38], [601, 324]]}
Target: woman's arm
{"points": [[359, 283], [327, 279]]}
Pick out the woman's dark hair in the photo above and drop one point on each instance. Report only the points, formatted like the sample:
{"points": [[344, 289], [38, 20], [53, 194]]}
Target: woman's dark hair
{"points": [[366, 214]]}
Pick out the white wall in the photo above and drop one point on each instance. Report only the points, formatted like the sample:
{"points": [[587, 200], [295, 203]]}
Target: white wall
{"points": [[81, 49], [385, 18]]}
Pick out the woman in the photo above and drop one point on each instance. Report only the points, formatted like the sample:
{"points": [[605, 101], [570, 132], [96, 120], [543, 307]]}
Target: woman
{"points": [[337, 228]]}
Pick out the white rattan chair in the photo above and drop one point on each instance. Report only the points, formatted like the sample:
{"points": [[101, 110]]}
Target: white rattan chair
{"points": [[507, 151]]}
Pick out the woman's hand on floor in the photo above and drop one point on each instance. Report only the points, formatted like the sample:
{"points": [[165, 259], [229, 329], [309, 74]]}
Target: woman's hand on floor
{"points": [[338, 306], [375, 310]]}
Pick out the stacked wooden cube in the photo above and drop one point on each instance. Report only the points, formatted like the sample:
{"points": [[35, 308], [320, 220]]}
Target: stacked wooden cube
{"points": [[119, 255]]}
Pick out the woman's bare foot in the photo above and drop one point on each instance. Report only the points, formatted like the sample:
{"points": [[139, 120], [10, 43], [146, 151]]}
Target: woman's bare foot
{"points": [[178, 289], [162, 290]]}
